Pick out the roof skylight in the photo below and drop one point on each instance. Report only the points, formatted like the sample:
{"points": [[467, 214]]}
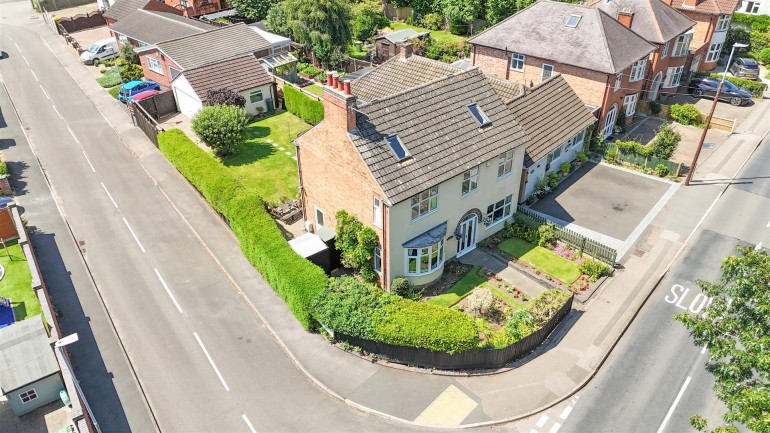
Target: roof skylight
{"points": [[397, 146], [479, 114], [573, 21]]}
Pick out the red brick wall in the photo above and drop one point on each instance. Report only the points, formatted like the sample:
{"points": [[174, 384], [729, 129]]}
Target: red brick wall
{"points": [[162, 7], [165, 79]]}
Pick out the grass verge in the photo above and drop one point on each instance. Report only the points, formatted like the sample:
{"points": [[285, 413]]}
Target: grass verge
{"points": [[17, 283], [543, 259], [114, 91]]}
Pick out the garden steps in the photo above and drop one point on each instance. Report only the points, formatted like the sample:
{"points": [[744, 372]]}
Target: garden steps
{"points": [[508, 273]]}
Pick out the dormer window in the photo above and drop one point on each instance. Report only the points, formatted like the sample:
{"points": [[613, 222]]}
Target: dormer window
{"points": [[572, 21], [397, 147], [479, 114]]}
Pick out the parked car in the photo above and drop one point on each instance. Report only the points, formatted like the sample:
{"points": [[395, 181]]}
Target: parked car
{"points": [[142, 95], [707, 86], [133, 87], [100, 51], [745, 68]]}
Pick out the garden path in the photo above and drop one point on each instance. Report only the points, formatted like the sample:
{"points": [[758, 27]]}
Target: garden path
{"points": [[511, 275]]}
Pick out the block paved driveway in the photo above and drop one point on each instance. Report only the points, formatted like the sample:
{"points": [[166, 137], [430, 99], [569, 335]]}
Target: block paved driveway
{"points": [[603, 199]]}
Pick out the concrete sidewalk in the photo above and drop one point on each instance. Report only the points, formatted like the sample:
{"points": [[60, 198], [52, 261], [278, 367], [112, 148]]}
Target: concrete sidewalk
{"points": [[564, 364]]}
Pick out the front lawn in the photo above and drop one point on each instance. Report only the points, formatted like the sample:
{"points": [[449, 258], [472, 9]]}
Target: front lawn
{"points": [[436, 35], [17, 283], [460, 289], [542, 258], [266, 162], [115, 90]]}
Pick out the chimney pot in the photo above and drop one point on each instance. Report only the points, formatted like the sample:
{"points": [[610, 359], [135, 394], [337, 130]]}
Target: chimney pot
{"points": [[328, 78], [335, 78], [346, 87], [339, 85]]}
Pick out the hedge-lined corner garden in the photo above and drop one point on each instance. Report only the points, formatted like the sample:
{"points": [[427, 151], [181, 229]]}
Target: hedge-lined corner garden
{"points": [[296, 280], [307, 108]]}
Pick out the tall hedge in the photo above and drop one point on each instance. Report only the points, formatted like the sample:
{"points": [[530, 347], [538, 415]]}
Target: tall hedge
{"points": [[295, 279], [757, 88], [307, 108]]}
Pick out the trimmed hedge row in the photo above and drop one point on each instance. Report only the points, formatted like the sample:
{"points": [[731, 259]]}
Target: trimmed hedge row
{"points": [[295, 279], [757, 88], [307, 108]]}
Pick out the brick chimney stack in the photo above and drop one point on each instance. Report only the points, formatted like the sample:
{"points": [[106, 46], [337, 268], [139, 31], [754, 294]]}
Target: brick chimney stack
{"points": [[626, 17], [339, 105], [406, 50], [691, 3]]}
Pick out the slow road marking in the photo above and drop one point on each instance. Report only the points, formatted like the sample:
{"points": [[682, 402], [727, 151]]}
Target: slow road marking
{"points": [[673, 406], [134, 235], [168, 291], [211, 361]]}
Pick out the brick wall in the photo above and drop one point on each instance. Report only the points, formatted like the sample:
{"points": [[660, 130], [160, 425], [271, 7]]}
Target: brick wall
{"points": [[163, 79], [163, 7]]}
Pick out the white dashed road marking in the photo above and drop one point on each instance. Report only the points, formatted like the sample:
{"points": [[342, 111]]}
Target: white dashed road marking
{"points": [[34, 75], [673, 406], [565, 413], [248, 423], [134, 235], [110, 196], [89, 162], [541, 422], [44, 92], [211, 361], [168, 291], [554, 428], [57, 112]]}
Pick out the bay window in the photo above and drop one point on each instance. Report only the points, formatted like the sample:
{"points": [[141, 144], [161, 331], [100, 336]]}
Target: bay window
{"points": [[424, 260]]}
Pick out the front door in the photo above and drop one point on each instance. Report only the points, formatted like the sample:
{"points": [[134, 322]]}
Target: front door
{"points": [[656, 86], [467, 241], [609, 121]]}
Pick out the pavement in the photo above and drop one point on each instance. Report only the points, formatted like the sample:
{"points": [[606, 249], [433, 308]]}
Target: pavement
{"points": [[265, 346]]}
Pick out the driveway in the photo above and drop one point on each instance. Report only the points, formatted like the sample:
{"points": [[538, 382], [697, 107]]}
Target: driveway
{"points": [[723, 110]]}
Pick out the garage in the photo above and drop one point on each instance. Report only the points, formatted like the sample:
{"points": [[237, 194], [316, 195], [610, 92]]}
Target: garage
{"points": [[188, 104]]}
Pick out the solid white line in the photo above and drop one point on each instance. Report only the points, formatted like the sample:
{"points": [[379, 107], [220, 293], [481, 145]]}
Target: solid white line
{"points": [[44, 92], [134, 235], [57, 112], [34, 75], [89, 162], [565, 413], [109, 195], [248, 423], [25, 60], [554, 428], [758, 247], [108, 122], [72, 133], [673, 406], [541, 422], [17, 46], [168, 291], [211, 361]]}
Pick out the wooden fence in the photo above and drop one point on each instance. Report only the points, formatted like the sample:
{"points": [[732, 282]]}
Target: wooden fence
{"points": [[159, 105], [470, 359], [589, 246], [145, 122], [80, 22]]}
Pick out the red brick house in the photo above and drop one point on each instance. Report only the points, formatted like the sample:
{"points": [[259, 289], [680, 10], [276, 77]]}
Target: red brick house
{"points": [[123, 8], [712, 19], [194, 8], [588, 47]]}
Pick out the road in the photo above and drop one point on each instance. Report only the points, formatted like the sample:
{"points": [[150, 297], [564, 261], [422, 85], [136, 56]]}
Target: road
{"points": [[204, 360]]}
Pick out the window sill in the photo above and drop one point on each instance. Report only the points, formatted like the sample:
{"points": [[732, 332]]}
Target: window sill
{"points": [[502, 220], [505, 175], [468, 193], [440, 266], [516, 70]]}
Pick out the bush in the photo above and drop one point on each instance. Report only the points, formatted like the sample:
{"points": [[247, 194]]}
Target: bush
{"points": [[581, 157], [128, 55], [545, 306], [654, 108], [666, 141], [764, 56], [686, 114], [565, 168], [546, 234], [3, 169], [735, 34], [402, 287], [131, 72], [519, 325], [356, 244], [111, 78], [633, 147], [553, 179], [224, 97], [612, 156], [348, 305], [295, 280], [480, 302], [433, 21], [305, 107], [367, 19], [759, 41], [446, 52], [594, 269], [661, 170], [221, 127], [758, 23], [757, 88]]}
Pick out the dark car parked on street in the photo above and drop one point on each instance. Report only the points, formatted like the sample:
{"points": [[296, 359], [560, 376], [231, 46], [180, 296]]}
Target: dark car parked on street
{"points": [[745, 68], [707, 86]]}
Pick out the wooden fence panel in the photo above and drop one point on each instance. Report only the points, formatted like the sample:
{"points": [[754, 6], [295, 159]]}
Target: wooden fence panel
{"points": [[160, 105], [146, 123], [83, 21]]}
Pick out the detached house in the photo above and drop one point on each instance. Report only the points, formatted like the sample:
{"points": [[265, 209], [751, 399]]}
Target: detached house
{"points": [[143, 28], [587, 46], [117, 10], [426, 155]]}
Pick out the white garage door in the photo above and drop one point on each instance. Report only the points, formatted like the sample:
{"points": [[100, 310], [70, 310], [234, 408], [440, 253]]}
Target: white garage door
{"points": [[188, 105]]}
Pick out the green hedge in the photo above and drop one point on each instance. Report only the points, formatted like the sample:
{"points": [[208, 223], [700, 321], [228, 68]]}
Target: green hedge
{"points": [[307, 108], [295, 279], [758, 23], [757, 88]]}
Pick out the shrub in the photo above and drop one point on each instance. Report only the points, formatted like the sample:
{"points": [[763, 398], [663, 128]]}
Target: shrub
{"points": [[654, 108], [128, 55], [3, 169], [402, 287], [666, 141], [633, 147], [661, 170], [348, 305], [480, 302], [758, 23], [612, 156], [224, 97], [686, 114], [356, 244], [757, 88], [222, 127], [546, 234], [545, 306], [759, 41], [565, 168], [433, 21], [735, 34], [542, 188], [294, 279], [367, 19], [594, 269], [581, 157], [519, 325], [553, 179], [307, 108], [111, 78], [131, 72], [764, 56]]}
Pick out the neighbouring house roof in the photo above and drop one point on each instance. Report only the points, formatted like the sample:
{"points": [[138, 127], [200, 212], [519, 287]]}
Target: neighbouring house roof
{"points": [[238, 74], [213, 46], [402, 35], [123, 8], [507, 90], [359, 73], [653, 20], [398, 74], [219, 14], [25, 354], [598, 42], [550, 113], [440, 134], [152, 27], [462, 63], [713, 7], [271, 37]]}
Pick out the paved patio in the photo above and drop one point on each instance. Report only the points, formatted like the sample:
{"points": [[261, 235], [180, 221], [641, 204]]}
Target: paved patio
{"points": [[49, 418]]}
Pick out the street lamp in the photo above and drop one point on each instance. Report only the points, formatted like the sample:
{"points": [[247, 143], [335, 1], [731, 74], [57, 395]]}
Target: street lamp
{"points": [[72, 338], [711, 113]]}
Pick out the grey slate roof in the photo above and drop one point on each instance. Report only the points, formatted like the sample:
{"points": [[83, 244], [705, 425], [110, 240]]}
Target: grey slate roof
{"points": [[240, 73], [438, 131], [123, 8], [713, 7], [598, 43], [152, 27], [213, 46], [507, 90], [25, 354], [398, 74], [402, 35], [653, 20], [550, 114]]}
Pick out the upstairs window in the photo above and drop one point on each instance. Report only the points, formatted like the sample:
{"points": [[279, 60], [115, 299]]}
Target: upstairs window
{"points": [[637, 70], [470, 181], [479, 114], [618, 79], [154, 65], [664, 53], [517, 62], [505, 164], [397, 146], [681, 45], [377, 212], [424, 203], [723, 23], [547, 72]]}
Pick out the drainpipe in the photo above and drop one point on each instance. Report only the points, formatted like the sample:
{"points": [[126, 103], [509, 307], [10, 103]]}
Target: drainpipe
{"points": [[604, 103], [384, 250], [301, 188]]}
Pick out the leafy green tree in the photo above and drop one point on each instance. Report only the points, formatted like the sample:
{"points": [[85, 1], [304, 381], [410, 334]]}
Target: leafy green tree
{"points": [[356, 244], [736, 34], [254, 9], [460, 13], [666, 141], [127, 54], [321, 25], [221, 127], [367, 19], [498, 10], [735, 330], [277, 20], [131, 72]]}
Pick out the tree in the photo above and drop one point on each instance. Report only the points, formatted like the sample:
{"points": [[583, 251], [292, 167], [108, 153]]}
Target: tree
{"points": [[666, 141], [736, 34], [221, 127], [321, 25], [127, 54], [224, 97], [735, 330], [460, 13], [253, 9], [277, 20], [367, 19], [131, 72], [498, 10]]}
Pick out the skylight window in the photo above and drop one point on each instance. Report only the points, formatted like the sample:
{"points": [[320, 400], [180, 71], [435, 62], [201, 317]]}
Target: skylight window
{"points": [[397, 146], [573, 21], [479, 114]]}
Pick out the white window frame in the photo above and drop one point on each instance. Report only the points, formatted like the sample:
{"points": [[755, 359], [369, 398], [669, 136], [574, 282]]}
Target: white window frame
{"points": [[723, 23], [549, 68], [505, 205], [470, 182], [154, 65], [28, 396], [664, 53], [629, 104], [254, 93], [505, 164], [377, 258], [429, 252], [637, 70], [429, 198], [673, 77], [618, 80], [681, 45], [752, 7], [712, 55], [377, 212], [517, 58], [318, 211], [556, 154]]}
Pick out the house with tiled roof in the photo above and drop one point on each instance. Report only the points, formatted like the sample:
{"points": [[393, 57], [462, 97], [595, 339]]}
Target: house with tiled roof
{"points": [[588, 47], [389, 44], [117, 10], [712, 19], [142, 28], [429, 156]]}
